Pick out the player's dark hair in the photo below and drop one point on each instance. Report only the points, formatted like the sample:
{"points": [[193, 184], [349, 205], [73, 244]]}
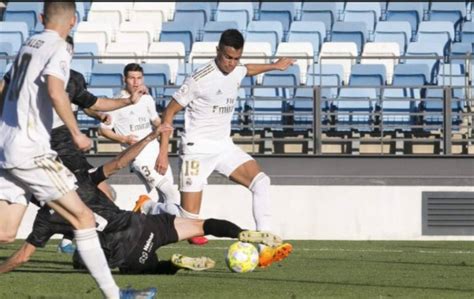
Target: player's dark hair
{"points": [[132, 67], [231, 38], [53, 8]]}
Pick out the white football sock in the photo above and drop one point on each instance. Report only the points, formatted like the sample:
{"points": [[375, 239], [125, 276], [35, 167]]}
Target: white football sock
{"points": [[261, 205], [89, 249], [169, 191], [186, 214]]}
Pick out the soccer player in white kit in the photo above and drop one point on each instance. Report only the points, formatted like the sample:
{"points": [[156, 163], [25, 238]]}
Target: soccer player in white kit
{"points": [[132, 123], [27, 163], [209, 96]]}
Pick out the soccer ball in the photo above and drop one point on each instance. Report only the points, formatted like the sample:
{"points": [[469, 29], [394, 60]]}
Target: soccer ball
{"points": [[242, 257]]}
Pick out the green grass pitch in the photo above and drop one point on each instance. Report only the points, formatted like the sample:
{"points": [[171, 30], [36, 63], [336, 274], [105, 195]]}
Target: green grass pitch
{"points": [[316, 269]]}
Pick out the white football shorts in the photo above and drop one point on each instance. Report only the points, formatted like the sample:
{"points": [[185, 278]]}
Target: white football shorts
{"points": [[43, 177], [196, 168]]}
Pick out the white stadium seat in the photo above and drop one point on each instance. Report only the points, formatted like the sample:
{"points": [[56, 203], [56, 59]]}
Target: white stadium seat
{"points": [[300, 49], [256, 52], [113, 13], [165, 9], [100, 33], [346, 49], [172, 53], [201, 53], [138, 33], [122, 49], [382, 49]]}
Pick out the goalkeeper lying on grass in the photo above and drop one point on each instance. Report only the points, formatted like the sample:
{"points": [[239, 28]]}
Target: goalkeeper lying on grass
{"points": [[130, 239]]}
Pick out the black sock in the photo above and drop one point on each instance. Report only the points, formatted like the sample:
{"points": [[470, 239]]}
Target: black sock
{"points": [[221, 228]]}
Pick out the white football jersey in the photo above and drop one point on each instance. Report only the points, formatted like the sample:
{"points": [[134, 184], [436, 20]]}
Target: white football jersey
{"points": [[209, 97], [27, 116], [134, 119]]}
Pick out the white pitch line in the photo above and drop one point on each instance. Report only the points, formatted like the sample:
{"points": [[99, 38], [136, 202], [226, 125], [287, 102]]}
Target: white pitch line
{"points": [[327, 249]]}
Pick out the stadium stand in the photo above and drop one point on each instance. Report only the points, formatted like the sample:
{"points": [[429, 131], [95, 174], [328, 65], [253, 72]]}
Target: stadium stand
{"points": [[347, 53]]}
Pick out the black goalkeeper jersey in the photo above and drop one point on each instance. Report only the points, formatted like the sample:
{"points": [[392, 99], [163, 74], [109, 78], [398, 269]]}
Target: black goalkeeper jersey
{"points": [[118, 229]]}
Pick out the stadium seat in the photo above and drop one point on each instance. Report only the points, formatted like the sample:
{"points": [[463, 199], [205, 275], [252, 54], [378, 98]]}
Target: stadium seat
{"points": [[339, 49], [455, 76], [414, 75], [5, 51], [193, 13], [240, 12], [467, 34], [84, 65], [94, 32], [324, 75], [260, 53], [367, 12], [265, 31], [398, 32], [436, 32], [152, 13], [177, 31], [389, 50], [213, 30], [14, 33], [412, 12], [86, 122], [283, 12], [288, 80], [101, 92], [172, 53], [113, 13], [432, 107], [452, 11], [156, 77], [354, 108], [27, 12], [426, 49], [122, 49], [350, 32], [107, 75], [459, 52], [301, 51], [326, 12], [396, 112], [139, 34], [368, 75], [308, 31], [201, 53]]}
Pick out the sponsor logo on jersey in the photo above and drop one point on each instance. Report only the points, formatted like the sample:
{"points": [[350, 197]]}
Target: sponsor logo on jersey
{"points": [[146, 249]]}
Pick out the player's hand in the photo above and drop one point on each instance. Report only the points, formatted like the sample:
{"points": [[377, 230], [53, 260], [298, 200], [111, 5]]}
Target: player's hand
{"points": [[161, 164], [131, 139], [161, 129], [106, 118], [82, 142], [284, 63], [137, 94]]}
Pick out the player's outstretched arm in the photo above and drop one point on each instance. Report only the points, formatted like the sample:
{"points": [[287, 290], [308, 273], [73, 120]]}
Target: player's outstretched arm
{"points": [[62, 105], [127, 156], [106, 104], [18, 258], [110, 134], [161, 164], [100, 116], [280, 65]]}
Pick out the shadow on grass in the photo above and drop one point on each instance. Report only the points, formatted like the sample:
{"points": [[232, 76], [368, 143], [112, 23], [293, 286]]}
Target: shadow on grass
{"points": [[459, 264]]}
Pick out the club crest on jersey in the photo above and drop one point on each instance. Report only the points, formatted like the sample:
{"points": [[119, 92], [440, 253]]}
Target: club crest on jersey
{"points": [[189, 182], [184, 89]]}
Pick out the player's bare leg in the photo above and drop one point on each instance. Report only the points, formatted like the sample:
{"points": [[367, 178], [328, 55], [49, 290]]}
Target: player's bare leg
{"points": [[10, 219], [249, 174], [191, 205]]}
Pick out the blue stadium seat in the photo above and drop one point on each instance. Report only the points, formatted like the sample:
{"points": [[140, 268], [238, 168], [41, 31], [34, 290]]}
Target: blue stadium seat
{"points": [[156, 77], [411, 12], [303, 107], [107, 75], [326, 12], [198, 12], [350, 32], [326, 75], [436, 32], [308, 31], [426, 49], [460, 50], [27, 12], [5, 51], [452, 11], [368, 75], [367, 12], [213, 30], [185, 32], [14, 33], [240, 12], [101, 92], [84, 66], [288, 77], [399, 32], [467, 34], [265, 31], [432, 106], [354, 108], [396, 112], [283, 12], [86, 122], [409, 75]]}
